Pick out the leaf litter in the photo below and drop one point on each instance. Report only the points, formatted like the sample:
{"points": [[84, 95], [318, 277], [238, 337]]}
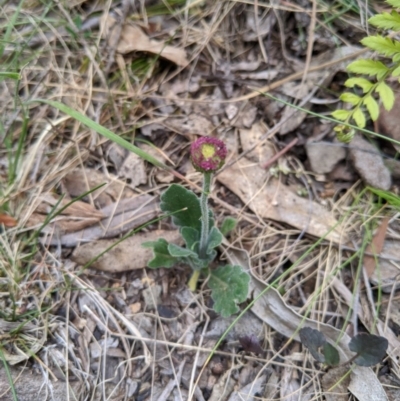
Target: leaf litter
{"points": [[115, 308]]}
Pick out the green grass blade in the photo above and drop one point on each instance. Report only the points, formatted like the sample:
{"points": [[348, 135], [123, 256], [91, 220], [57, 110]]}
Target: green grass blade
{"points": [[9, 74], [15, 158], [10, 27], [8, 374], [388, 196], [103, 131]]}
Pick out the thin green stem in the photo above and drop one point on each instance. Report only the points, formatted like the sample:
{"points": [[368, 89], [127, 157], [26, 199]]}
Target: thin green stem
{"points": [[205, 218]]}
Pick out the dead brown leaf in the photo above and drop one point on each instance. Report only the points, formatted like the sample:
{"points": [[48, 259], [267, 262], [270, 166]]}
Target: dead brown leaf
{"points": [[375, 247], [270, 199], [134, 39], [193, 124], [76, 216], [7, 220], [121, 216], [128, 255], [79, 181], [335, 388]]}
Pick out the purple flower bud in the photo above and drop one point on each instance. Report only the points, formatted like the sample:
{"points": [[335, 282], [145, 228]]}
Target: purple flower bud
{"points": [[208, 154]]}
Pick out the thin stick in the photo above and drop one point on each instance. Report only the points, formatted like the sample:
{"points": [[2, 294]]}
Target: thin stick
{"points": [[273, 159]]}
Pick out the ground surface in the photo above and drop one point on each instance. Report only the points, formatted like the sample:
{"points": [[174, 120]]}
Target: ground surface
{"points": [[78, 322]]}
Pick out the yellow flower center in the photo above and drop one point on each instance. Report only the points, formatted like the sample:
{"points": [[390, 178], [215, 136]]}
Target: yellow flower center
{"points": [[208, 151]]}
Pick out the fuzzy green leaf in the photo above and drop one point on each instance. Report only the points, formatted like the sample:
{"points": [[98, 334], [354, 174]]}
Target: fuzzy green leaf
{"points": [[228, 225], [214, 239], [350, 97], [162, 257], [341, 114], [363, 83], [331, 354], [396, 72], [178, 252], [359, 118], [382, 45], [229, 287], [371, 349], [177, 198], [191, 237], [368, 67], [386, 95], [372, 106], [386, 20]]}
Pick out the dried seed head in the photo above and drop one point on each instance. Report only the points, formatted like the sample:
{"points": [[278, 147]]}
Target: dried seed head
{"points": [[208, 154]]}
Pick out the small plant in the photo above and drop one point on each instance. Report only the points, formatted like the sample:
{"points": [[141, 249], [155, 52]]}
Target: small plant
{"points": [[228, 284], [369, 349], [374, 75]]}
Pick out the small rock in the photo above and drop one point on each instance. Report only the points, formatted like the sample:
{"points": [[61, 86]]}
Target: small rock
{"points": [[152, 296], [231, 111], [343, 172], [394, 167], [135, 308], [369, 164], [324, 156], [248, 324]]}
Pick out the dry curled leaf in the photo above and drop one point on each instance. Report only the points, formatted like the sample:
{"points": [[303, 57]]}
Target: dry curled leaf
{"points": [[120, 217], [76, 216], [134, 39]]}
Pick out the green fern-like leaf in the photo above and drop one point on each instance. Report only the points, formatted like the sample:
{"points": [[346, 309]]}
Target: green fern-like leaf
{"points": [[386, 95], [382, 45], [359, 118], [350, 98], [341, 115], [368, 67], [363, 83], [372, 106], [394, 3], [396, 72], [366, 106], [396, 58], [386, 21]]}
